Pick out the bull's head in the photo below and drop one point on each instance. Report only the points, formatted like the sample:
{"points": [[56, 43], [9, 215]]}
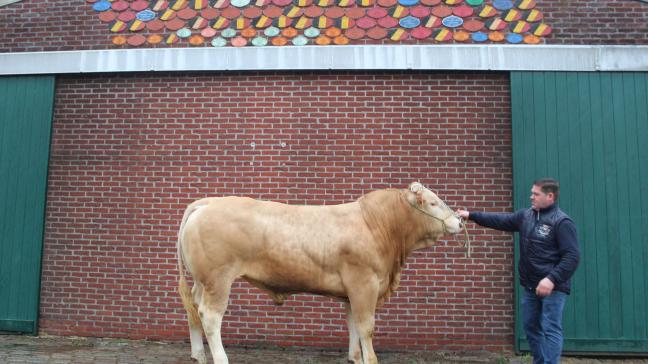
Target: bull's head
{"points": [[430, 204]]}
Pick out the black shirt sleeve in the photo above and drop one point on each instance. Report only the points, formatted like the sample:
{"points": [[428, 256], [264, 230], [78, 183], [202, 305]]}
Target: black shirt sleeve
{"points": [[499, 221], [569, 252]]}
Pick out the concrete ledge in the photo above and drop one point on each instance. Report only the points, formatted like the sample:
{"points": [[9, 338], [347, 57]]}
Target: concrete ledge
{"points": [[363, 57]]}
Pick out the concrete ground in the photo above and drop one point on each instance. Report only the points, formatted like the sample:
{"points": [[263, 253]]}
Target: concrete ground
{"points": [[58, 350]]}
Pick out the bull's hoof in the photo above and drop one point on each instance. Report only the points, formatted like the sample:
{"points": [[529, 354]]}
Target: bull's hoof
{"points": [[199, 357], [355, 360]]}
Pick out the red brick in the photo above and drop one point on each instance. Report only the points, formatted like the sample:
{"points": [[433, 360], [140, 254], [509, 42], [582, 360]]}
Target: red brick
{"points": [[123, 168]]}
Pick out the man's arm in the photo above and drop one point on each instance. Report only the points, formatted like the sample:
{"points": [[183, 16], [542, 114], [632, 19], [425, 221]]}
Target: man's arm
{"points": [[569, 252], [493, 220]]}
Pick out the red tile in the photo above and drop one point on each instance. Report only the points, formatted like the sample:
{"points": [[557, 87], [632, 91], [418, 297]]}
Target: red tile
{"points": [[377, 33], [334, 12], [473, 25], [208, 32], [136, 40], [441, 11], [314, 11], [272, 12], [377, 13], [421, 32], [120, 5], [209, 13], [387, 3], [155, 25], [463, 11], [239, 42], [366, 22], [231, 12], [355, 33], [252, 12], [355, 13], [127, 16], [107, 16], [420, 11], [388, 22], [139, 5], [175, 24], [187, 13]]}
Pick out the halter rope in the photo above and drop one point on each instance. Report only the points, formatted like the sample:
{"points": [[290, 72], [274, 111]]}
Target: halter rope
{"points": [[445, 230]]}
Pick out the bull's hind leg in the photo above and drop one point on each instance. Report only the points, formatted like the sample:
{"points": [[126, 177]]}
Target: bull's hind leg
{"points": [[355, 352], [212, 309], [195, 329]]}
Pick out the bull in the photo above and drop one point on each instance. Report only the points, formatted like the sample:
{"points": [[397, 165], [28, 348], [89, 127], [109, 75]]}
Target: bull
{"points": [[353, 252]]}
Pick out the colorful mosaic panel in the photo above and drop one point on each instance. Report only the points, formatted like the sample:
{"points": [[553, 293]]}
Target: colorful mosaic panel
{"points": [[240, 23]]}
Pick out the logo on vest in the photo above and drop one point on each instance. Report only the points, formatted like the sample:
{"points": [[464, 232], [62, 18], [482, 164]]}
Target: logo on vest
{"points": [[543, 230]]}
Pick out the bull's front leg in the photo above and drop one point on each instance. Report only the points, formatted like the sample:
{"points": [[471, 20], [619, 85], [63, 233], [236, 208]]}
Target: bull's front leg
{"points": [[362, 289], [355, 351]]}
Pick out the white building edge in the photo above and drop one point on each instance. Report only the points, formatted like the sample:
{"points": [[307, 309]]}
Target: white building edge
{"points": [[361, 57]]}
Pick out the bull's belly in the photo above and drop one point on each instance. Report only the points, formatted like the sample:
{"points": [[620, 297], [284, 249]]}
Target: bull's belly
{"points": [[286, 278]]}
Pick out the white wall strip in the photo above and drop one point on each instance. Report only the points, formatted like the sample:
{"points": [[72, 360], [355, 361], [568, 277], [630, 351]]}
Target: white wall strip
{"points": [[7, 2], [364, 57]]}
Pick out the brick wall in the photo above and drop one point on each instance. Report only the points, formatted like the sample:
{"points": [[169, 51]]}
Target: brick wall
{"points": [[130, 151], [56, 25]]}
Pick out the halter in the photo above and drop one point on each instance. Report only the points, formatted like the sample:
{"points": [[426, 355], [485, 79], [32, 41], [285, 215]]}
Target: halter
{"points": [[445, 229]]}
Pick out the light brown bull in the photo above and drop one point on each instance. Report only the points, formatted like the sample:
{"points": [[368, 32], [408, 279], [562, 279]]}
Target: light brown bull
{"points": [[354, 252]]}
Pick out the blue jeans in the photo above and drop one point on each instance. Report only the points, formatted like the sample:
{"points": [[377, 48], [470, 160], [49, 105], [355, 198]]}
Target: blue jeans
{"points": [[542, 321]]}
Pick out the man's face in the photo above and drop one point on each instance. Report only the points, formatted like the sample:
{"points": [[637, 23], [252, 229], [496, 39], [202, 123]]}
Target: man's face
{"points": [[539, 199]]}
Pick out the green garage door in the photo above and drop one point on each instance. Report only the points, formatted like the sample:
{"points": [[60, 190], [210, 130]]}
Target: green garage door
{"points": [[590, 130], [25, 123]]}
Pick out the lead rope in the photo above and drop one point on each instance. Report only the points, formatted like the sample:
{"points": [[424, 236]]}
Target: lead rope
{"points": [[467, 242]]}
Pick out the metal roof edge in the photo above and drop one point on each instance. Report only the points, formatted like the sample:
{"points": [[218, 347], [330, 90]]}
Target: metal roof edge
{"points": [[360, 57]]}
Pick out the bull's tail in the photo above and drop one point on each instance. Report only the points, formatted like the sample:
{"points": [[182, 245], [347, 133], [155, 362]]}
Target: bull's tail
{"points": [[185, 293]]}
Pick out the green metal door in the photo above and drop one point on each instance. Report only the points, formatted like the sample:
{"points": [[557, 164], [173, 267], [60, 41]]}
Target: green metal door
{"points": [[590, 130], [25, 123]]}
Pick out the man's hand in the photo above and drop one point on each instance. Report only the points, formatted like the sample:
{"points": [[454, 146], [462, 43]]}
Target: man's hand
{"points": [[463, 213], [545, 287]]}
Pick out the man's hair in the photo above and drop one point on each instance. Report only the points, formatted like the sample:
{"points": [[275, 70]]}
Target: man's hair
{"points": [[548, 185]]}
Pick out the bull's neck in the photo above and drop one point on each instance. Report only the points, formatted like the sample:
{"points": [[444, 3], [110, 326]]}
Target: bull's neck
{"points": [[398, 227]]}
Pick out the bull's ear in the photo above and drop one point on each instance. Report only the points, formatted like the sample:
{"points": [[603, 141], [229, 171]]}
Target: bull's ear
{"points": [[416, 187]]}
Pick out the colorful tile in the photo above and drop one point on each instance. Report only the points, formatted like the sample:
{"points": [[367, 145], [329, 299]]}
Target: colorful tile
{"points": [[239, 23]]}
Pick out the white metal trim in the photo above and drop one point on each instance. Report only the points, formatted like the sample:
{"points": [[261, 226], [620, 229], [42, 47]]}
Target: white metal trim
{"points": [[362, 57], [7, 2]]}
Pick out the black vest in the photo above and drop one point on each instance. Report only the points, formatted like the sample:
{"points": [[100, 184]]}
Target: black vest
{"points": [[539, 251]]}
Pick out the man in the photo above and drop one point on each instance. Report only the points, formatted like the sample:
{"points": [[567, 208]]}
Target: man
{"points": [[549, 255]]}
